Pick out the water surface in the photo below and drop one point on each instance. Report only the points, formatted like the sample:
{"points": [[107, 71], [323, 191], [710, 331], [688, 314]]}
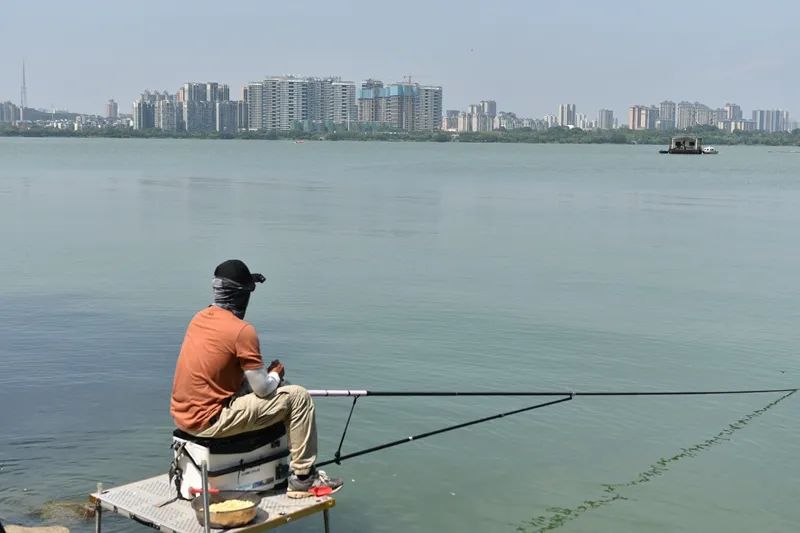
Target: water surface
{"points": [[417, 266]]}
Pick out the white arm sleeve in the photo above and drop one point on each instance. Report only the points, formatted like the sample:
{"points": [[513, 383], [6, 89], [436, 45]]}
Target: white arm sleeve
{"points": [[262, 383]]}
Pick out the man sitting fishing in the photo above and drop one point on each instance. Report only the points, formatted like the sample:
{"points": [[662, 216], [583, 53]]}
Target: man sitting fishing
{"points": [[222, 388]]}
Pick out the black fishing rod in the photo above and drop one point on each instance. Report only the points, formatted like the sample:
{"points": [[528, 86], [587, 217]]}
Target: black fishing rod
{"points": [[563, 397]]}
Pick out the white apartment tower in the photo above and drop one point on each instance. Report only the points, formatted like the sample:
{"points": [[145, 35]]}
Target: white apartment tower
{"points": [[566, 115]]}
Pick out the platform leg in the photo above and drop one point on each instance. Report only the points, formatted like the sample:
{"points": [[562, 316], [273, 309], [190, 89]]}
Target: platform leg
{"points": [[206, 517], [98, 511], [327, 519]]}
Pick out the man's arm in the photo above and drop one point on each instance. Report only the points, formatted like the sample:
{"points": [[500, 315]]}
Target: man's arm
{"points": [[262, 382]]}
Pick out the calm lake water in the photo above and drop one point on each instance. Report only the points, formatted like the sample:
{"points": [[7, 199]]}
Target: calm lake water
{"points": [[419, 266]]}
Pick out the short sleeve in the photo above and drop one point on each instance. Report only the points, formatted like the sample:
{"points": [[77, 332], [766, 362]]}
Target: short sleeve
{"points": [[248, 350]]}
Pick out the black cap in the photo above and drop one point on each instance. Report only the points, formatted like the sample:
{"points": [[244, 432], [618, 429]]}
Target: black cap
{"points": [[236, 270]]}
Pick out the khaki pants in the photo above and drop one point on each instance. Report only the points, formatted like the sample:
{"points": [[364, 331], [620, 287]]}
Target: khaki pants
{"points": [[291, 405]]}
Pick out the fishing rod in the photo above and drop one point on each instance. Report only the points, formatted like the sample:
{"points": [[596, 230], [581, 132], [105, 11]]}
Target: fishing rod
{"points": [[351, 393], [562, 397]]}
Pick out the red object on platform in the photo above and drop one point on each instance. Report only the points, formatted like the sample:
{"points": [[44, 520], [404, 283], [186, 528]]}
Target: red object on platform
{"points": [[320, 491]]}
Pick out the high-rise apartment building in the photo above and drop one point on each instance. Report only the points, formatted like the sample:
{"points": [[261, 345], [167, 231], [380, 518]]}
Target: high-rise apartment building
{"points": [[450, 120], [168, 115], [210, 91], [400, 106], [566, 115], [428, 109], [605, 119], [703, 115], [112, 110], [771, 120], [685, 115], [9, 112], [733, 112], [398, 110], [481, 122], [143, 115], [489, 107], [634, 116], [641, 117], [464, 123], [369, 101], [287, 102], [666, 115], [226, 115], [343, 103], [198, 115], [253, 94]]}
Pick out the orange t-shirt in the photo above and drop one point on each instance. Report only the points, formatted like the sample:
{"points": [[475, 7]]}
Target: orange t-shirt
{"points": [[217, 349]]}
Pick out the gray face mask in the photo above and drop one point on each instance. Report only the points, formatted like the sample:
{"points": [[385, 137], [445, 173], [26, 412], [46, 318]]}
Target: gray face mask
{"points": [[231, 296]]}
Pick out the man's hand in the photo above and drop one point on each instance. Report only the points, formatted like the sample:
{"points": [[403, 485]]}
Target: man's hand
{"points": [[277, 367]]}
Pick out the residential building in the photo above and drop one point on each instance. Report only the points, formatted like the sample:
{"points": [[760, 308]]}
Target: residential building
{"points": [[733, 112], [450, 120], [481, 122], [428, 108], [226, 115], [112, 110], [241, 115], [464, 122], [143, 115], [666, 115], [489, 107], [398, 109], [198, 115], [9, 112], [641, 117], [369, 101], [685, 115], [605, 119], [287, 102], [255, 102], [144, 109], [192, 92], [771, 120], [703, 114], [634, 116], [400, 106], [343, 102], [566, 115], [737, 125], [506, 121], [241, 111], [168, 115], [650, 117]]}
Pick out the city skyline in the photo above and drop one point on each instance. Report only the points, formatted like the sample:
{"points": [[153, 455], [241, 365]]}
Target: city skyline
{"points": [[564, 114], [529, 57]]}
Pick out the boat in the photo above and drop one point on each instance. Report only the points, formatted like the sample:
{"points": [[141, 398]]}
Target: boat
{"points": [[710, 150], [686, 144]]}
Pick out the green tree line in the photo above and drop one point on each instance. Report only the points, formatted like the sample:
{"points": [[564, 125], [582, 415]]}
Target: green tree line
{"points": [[709, 134]]}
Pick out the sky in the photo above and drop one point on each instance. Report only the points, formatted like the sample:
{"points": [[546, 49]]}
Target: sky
{"points": [[528, 55]]}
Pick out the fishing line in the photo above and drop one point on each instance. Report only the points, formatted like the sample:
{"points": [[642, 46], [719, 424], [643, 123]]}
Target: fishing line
{"points": [[559, 516]]}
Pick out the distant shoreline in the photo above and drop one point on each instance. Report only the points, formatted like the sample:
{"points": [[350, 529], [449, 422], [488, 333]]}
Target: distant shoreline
{"points": [[710, 136]]}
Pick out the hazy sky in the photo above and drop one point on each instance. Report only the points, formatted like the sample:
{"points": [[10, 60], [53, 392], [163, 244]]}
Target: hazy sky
{"points": [[526, 54]]}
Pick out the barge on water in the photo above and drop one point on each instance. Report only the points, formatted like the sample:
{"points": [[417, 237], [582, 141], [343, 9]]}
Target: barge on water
{"points": [[686, 144]]}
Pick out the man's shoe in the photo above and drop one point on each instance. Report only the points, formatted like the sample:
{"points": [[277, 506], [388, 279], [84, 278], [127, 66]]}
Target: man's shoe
{"points": [[317, 484]]}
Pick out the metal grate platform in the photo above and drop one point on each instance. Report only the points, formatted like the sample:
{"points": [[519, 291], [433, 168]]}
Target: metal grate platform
{"points": [[140, 501]]}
